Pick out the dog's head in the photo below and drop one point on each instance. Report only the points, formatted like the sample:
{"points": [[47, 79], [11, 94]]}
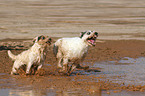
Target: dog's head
{"points": [[89, 37], [42, 40]]}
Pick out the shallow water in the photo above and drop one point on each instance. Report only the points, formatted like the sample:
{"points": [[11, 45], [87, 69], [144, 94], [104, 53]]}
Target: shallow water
{"points": [[74, 92], [127, 70], [47, 92]]}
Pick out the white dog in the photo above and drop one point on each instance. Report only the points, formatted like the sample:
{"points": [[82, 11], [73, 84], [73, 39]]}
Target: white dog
{"points": [[33, 56], [73, 50]]}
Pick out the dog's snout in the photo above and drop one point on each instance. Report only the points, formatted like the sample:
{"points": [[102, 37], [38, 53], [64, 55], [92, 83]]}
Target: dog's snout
{"points": [[50, 39]]}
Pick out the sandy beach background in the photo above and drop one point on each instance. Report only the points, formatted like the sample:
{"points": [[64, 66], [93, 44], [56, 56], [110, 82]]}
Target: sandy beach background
{"points": [[113, 19]]}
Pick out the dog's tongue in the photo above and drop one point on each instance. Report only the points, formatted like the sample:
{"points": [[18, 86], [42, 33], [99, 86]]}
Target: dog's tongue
{"points": [[92, 41]]}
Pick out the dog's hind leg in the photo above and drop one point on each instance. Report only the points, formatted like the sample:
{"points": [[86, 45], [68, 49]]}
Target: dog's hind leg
{"points": [[59, 65], [16, 66], [60, 59], [65, 65]]}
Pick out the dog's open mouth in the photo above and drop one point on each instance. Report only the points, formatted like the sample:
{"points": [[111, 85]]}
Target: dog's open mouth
{"points": [[91, 40]]}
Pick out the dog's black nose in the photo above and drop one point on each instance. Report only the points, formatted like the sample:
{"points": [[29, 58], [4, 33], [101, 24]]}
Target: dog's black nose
{"points": [[96, 33], [50, 39]]}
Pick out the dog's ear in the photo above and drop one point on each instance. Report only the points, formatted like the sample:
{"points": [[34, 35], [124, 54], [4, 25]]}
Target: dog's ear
{"points": [[36, 39], [39, 38], [82, 34]]}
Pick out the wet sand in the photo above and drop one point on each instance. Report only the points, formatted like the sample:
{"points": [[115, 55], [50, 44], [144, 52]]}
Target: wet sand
{"points": [[81, 82]]}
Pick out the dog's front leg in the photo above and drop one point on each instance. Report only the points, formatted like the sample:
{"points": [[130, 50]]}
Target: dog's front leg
{"points": [[70, 70], [16, 66], [64, 68], [28, 67], [59, 65], [65, 65]]}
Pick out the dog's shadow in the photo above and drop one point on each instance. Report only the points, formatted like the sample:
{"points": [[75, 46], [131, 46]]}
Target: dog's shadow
{"points": [[90, 71]]}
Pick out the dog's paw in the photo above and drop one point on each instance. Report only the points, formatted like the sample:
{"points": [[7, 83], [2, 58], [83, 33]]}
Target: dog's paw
{"points": [[27, 74], [59, 67], [40, 72], [14, 73], [64, 74], [60, 71], [86, 67]]}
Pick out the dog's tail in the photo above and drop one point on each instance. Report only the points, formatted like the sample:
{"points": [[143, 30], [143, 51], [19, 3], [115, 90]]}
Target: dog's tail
{"points": [[11, 55]]}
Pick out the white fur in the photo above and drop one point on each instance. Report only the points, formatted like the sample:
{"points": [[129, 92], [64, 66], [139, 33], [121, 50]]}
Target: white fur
{"points": [[71, 49], [34, 55]]}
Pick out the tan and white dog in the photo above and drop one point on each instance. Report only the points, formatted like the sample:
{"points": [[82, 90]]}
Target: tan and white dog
{"points": [[73, 50], [33, 56]]}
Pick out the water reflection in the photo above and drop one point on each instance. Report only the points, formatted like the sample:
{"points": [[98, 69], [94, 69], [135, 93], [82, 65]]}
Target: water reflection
{"points": [[47, 92], [127, 70], [18, 92]]}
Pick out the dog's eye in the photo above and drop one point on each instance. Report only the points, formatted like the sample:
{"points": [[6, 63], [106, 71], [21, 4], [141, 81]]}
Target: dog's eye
{"points": [[43, 38], [88, 33]]}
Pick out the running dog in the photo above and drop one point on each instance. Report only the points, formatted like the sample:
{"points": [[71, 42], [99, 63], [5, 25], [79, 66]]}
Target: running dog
{"points": [[33, 56], [73, 50]]}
